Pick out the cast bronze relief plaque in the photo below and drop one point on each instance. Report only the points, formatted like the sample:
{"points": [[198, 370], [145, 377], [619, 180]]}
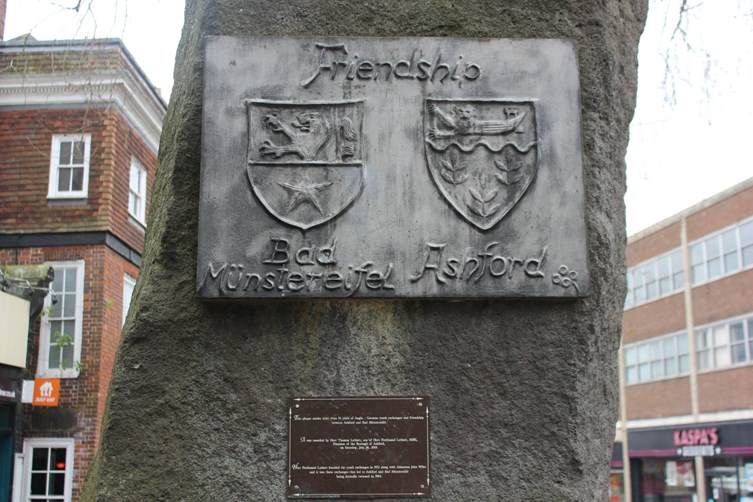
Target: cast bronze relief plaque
{"points": [[359, 447], [391, 168]]}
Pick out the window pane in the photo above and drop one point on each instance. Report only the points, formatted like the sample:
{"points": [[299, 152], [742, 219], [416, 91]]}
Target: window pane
{"points": [[679, 280], [77, 182], [65, 153], [722, 357], [69, 304], [748, 256], [70, 280], [657, 369], [676, 258], [78, 152], [67, 362], [703, 360], [669, 347], [629, 280], [640, 294], [631, 356], [729, 240], [670, 367], [682, 344], [721, 336], [57, 484], [663, 266], [650, 271], [699, 273], [133, 204], [69, 328], [696, 253], [738, 353], [731, 263], [644, 372], [737, 333], [57, 309], [134, 179], [643, 353], [57, 459], [665, 285], [746, 234], [631, 376], [39, 484], [651, 290], [64, 179], [39, 459], [702, 338], [684, 365], [655, 349], [712, 248], [54, 357], [715, 268], [57, 282]]}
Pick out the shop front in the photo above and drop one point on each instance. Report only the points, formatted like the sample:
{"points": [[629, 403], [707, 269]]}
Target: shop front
{"points": [[617, 475], [680, 463]]}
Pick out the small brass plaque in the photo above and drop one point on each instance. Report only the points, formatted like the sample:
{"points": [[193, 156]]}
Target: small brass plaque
{"points": [[358, 447]]}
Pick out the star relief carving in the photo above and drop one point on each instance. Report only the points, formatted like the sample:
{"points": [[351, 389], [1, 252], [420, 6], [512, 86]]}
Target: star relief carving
{"points": [[305, 191]]}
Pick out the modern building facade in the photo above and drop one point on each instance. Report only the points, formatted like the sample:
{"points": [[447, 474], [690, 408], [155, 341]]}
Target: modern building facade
{"points": [[686, 421], [79, 132]]}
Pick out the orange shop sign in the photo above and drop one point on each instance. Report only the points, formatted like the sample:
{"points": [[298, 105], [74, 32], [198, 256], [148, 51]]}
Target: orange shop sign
{"points": [[46, 392]]}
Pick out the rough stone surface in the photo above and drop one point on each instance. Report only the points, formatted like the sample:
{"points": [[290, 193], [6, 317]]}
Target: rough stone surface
{"points": [[524, 392]]}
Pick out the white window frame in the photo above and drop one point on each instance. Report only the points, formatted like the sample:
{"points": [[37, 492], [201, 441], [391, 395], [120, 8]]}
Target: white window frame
{"points": [[635, 279], [29, 444], [53, 192], [678, 373], [747, 321], [127, 281], [702, 244], [140, 214], [43, 369]]}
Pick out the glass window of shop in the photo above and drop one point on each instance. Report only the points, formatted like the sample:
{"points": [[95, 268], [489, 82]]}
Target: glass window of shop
{"points": [[616, 485], [667, 480], [729, 479]]}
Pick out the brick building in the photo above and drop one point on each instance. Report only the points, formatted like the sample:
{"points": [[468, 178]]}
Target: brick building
{"points": [[686, 428], [79, 132]]}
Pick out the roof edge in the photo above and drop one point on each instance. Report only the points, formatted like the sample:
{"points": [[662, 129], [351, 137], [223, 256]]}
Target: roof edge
{"points": [[29, 44], [695, 208]]}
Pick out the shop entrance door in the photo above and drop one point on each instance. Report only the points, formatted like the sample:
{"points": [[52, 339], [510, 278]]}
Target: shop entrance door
{"points": [[6, 450]]}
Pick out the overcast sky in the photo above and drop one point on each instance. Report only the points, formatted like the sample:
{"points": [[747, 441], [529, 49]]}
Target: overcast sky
{"points": [[685, 145]]}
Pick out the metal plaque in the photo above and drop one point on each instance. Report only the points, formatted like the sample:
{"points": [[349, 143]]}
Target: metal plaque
{"points": [[391, 167], [358, 447]]}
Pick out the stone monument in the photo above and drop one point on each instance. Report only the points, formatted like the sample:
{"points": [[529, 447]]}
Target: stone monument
{"points": [[384, 257]]}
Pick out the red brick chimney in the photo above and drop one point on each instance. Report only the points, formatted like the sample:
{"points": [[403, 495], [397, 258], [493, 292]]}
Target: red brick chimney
{"points": [[2, 18]]}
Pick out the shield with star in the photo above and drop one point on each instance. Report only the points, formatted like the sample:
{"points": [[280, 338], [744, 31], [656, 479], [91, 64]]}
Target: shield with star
{"points": [[482, 154], [305, 161]]}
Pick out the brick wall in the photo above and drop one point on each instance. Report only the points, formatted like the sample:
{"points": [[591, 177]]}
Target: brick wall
{"points": [[648, 246], [723, 298], [82, 399], [652, 319], [26, 142], [729, 389], [665, 398]]}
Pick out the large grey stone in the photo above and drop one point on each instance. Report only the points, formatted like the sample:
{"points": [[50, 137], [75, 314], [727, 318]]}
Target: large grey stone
{"points": [[523, 391]]}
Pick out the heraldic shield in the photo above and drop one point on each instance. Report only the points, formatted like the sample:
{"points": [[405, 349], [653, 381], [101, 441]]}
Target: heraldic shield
{"points": [[482, 154], [305, 160]]}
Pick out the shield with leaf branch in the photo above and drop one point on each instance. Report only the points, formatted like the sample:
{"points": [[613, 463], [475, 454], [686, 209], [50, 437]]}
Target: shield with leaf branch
{"points": [[482, 154]]}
